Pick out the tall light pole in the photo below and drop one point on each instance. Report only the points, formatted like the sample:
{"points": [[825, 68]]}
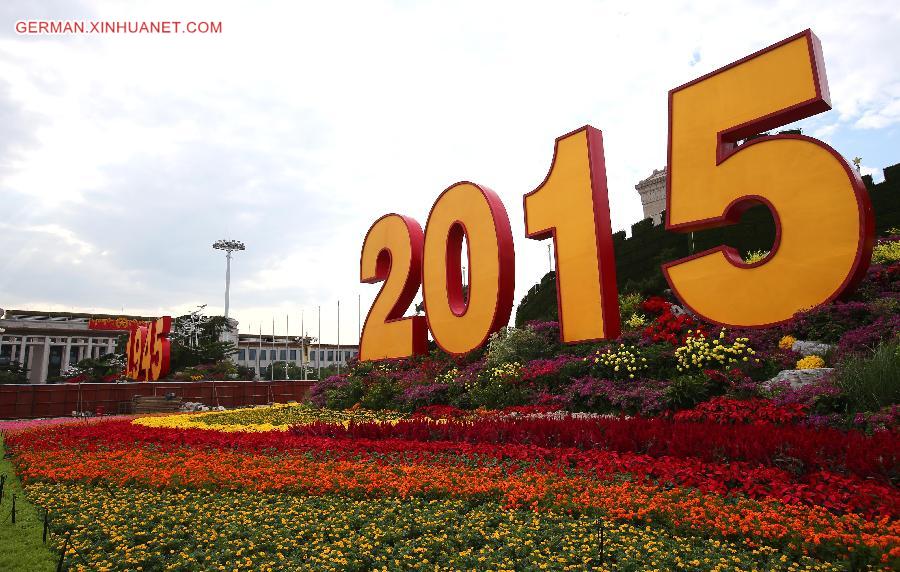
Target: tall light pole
{"points": [[228, 246]]}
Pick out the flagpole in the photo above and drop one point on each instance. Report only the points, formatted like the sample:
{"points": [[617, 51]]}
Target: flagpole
{"points": [[319, 343], [272, 365], [339, 338], [302, 345], [259, 353], [287, 355]]}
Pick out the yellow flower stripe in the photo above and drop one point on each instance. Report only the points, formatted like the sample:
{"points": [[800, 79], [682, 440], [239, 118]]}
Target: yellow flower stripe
{"points": [[277, 417]]}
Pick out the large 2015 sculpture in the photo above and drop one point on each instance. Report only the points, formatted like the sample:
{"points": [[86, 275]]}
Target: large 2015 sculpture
{"points": [[824, 223]]}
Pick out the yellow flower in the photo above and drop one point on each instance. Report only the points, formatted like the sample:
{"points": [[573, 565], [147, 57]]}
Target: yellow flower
{"points": [[811, 362], [787, 342]]}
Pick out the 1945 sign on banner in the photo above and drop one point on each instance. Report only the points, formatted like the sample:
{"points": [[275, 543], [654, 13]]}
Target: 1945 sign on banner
{"points": [[712, 180]]}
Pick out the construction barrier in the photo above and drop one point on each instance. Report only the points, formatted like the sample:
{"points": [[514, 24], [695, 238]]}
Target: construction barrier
{"points": [[61, 400]]}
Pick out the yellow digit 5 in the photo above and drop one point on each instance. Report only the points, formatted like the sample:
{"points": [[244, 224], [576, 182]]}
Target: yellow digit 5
{"points": [[824, 225], [392, 252], [571, 205]]}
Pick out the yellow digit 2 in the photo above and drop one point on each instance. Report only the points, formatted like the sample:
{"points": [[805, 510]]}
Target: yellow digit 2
{"points": [[571, 205], [824, 224], [392, 252]]}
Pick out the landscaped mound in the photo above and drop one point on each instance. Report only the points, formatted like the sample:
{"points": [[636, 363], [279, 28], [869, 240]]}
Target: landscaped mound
{"points": [[680, 446]]}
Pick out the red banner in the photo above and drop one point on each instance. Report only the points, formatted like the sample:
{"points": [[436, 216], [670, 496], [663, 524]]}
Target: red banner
{"points": [[120, 323]]}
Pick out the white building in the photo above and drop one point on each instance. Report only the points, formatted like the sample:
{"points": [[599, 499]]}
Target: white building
{"points": [[258, 352], [653, 194], [48, 342]]}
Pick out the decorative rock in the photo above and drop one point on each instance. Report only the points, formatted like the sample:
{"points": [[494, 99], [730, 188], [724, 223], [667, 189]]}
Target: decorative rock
{"points": [[797, 377], [810, 348], [193, 406], [677, 310]]}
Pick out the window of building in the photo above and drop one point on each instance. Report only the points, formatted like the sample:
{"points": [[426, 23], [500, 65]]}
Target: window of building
{"points": [[242, 355], [271, 355], [252, 355], [293, 355], [322, 355], [330, 356], [282, 355]]}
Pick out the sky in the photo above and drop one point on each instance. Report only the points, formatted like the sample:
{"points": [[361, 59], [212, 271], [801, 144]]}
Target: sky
{"points": [[124, 157]]}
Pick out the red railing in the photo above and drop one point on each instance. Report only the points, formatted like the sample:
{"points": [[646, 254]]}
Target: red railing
{"points": [[59, 400]]}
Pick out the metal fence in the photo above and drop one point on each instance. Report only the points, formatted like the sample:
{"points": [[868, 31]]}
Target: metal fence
{"points": [[60, 400]]}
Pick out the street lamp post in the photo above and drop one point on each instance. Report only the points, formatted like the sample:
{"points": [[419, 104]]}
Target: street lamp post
{"points": [[228, 246]]}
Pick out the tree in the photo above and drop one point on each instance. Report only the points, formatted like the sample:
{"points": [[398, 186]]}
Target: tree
{"points": [[196, 340], [13, 372], [294, 371], [103, 368]]}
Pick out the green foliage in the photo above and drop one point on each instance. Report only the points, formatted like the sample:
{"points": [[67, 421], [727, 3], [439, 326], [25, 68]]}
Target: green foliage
{"points": [[660, 361], [13, 373], [217, 371], [497, 387], [95, 369], [630, 303], [515, 345], [20, 544], [313, 372], [618, 362], [686, 391], [344, 395], [872, 382], [294, 371], [886, 252], [885, 307], [380, 394], [208, 347], [755, 256], [539, 303]]}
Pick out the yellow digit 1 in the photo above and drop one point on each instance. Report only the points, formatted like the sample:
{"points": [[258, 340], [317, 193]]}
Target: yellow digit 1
{"points": [[572, 206], [392, 252], [824, 224]]}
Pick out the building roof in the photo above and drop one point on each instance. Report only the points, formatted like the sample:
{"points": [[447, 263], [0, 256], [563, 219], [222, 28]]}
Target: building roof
{"points": [[40, 316], [655, 176]]}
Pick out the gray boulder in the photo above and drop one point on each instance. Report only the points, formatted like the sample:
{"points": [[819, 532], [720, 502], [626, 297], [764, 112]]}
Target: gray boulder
{"points": [[797, 378], [810, 348]]}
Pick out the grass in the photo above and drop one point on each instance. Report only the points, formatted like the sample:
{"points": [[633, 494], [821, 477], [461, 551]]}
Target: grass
{"points": [[21, 547], [873, 381]]}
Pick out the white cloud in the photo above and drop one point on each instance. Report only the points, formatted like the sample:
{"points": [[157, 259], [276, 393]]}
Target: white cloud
{"points": [[876, 174]]}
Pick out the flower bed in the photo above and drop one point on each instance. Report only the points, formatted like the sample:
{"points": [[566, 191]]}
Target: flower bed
{"points": [[694, 488]]}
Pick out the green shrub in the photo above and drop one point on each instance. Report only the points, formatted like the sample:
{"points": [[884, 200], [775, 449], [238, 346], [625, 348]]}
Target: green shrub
{"points": [[755, 256], [629, 303], [344, 396], [871, 382], [380, 394], [514, 345], [686, 391], [886, 252], [13, 373]]}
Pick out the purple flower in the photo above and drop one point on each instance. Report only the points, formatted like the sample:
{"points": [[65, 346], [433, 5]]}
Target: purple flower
{"points": [[424, 394], [318, 393]]}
